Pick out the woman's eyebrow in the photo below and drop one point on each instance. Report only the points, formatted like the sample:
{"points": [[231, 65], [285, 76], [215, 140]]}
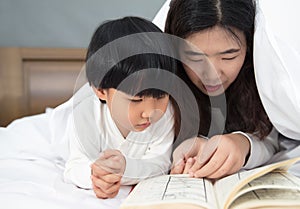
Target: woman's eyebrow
{"points": [[193, 53], [229, 51]]}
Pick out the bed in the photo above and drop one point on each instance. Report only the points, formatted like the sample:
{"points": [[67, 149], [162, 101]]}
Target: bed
{"points": [[33, 81]]}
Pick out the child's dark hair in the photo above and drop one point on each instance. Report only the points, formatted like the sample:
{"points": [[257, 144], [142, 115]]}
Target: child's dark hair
{"points": [[129, 48]]}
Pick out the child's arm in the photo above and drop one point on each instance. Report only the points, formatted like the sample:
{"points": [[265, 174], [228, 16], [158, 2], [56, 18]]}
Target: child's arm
{"points": [[77, 167]]}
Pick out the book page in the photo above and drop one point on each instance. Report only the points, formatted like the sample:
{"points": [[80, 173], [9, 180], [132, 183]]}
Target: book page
{"points": [[226, 188], [172, 189], [272, 189], [273, 180], [268, 198], [229, 185]]}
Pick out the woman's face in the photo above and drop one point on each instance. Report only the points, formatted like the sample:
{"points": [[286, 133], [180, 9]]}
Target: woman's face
{"points": [[214, 59]]}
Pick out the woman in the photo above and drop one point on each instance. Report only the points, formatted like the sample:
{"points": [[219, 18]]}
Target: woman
{"points": [[219, 65]]}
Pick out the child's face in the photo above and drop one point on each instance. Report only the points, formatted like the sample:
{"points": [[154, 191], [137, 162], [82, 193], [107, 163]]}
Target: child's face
{"points": [[215, 59], [133, 113]]}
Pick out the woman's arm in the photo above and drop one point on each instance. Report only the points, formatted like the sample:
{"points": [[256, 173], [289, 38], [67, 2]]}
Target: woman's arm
{"points": [[261, 151]]}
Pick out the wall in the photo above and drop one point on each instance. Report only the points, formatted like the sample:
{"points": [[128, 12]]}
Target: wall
{"points": [[63, 23]]}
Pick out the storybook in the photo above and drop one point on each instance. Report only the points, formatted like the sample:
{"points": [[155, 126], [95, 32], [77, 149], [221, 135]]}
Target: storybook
{"points": [[269, 186]]}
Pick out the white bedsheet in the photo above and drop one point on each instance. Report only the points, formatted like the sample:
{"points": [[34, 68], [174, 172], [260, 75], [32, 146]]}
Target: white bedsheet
{"points": [[31, 171]]}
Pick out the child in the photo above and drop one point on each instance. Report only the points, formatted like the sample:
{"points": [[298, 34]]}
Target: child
{"points": [[123, 132]]}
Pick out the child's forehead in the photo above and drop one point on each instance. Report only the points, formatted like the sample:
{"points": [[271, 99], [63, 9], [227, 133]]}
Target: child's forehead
{"points": [[120, 93]]}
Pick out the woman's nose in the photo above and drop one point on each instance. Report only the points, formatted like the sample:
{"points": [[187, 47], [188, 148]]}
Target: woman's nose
{"points": [[212, 72]]}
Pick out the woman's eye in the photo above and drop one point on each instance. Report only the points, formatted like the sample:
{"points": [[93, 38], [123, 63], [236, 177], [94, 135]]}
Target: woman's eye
{"points": [[195, 59], [229, 58]]}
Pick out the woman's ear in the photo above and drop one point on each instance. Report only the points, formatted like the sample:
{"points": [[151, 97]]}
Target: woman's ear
{"points": [[100, 93]]}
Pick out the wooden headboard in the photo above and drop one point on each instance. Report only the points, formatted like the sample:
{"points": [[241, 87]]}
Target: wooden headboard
{"points": [[32, 79]]}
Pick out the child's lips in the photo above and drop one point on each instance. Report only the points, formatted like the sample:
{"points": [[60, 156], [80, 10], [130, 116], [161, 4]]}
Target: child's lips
{"points": [[144, 125]]}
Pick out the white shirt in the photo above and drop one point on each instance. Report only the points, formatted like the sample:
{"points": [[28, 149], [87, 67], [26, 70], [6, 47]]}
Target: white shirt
{"points": [[91, 130]]}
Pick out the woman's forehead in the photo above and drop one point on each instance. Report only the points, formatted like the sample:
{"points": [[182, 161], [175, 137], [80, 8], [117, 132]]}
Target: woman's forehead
{"points": [[214, 40]]}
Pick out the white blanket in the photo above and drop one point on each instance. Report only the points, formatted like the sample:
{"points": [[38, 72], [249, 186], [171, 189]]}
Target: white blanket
{"points": [[277, 61], [31, 171]]}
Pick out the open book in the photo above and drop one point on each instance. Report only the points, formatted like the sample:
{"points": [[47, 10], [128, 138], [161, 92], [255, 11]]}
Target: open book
{"points": [[264, 187]]}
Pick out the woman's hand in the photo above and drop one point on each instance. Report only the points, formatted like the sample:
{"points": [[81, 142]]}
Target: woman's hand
{"points": [[186, 150], [222, 155]]}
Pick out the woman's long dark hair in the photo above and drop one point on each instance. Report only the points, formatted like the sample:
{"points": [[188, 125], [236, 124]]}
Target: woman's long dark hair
{"points": [[244, 108]]}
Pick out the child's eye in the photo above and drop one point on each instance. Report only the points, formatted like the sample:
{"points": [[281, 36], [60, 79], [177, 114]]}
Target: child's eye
{"points": [[136, 100], [162, 96]]}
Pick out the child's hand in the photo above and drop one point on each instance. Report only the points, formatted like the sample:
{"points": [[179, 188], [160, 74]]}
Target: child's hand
{"points": [[107, 172], [187, 149], [222, 155], [112, 161], [105, 184]]}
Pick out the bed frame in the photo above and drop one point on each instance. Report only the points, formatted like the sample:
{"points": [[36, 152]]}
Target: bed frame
{"points": [[32, 79]]}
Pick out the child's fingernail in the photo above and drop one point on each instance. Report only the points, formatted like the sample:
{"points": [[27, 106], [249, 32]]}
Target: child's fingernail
{"points": [[190, 160], [180, 161]]}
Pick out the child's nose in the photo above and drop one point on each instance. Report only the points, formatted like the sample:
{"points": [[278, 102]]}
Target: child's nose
{"points": [[149, 110], [148, 114], [152, 114]]}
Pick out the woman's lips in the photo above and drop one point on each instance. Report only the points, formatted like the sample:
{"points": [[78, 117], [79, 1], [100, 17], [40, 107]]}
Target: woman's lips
{"points": [[212, 88]]}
